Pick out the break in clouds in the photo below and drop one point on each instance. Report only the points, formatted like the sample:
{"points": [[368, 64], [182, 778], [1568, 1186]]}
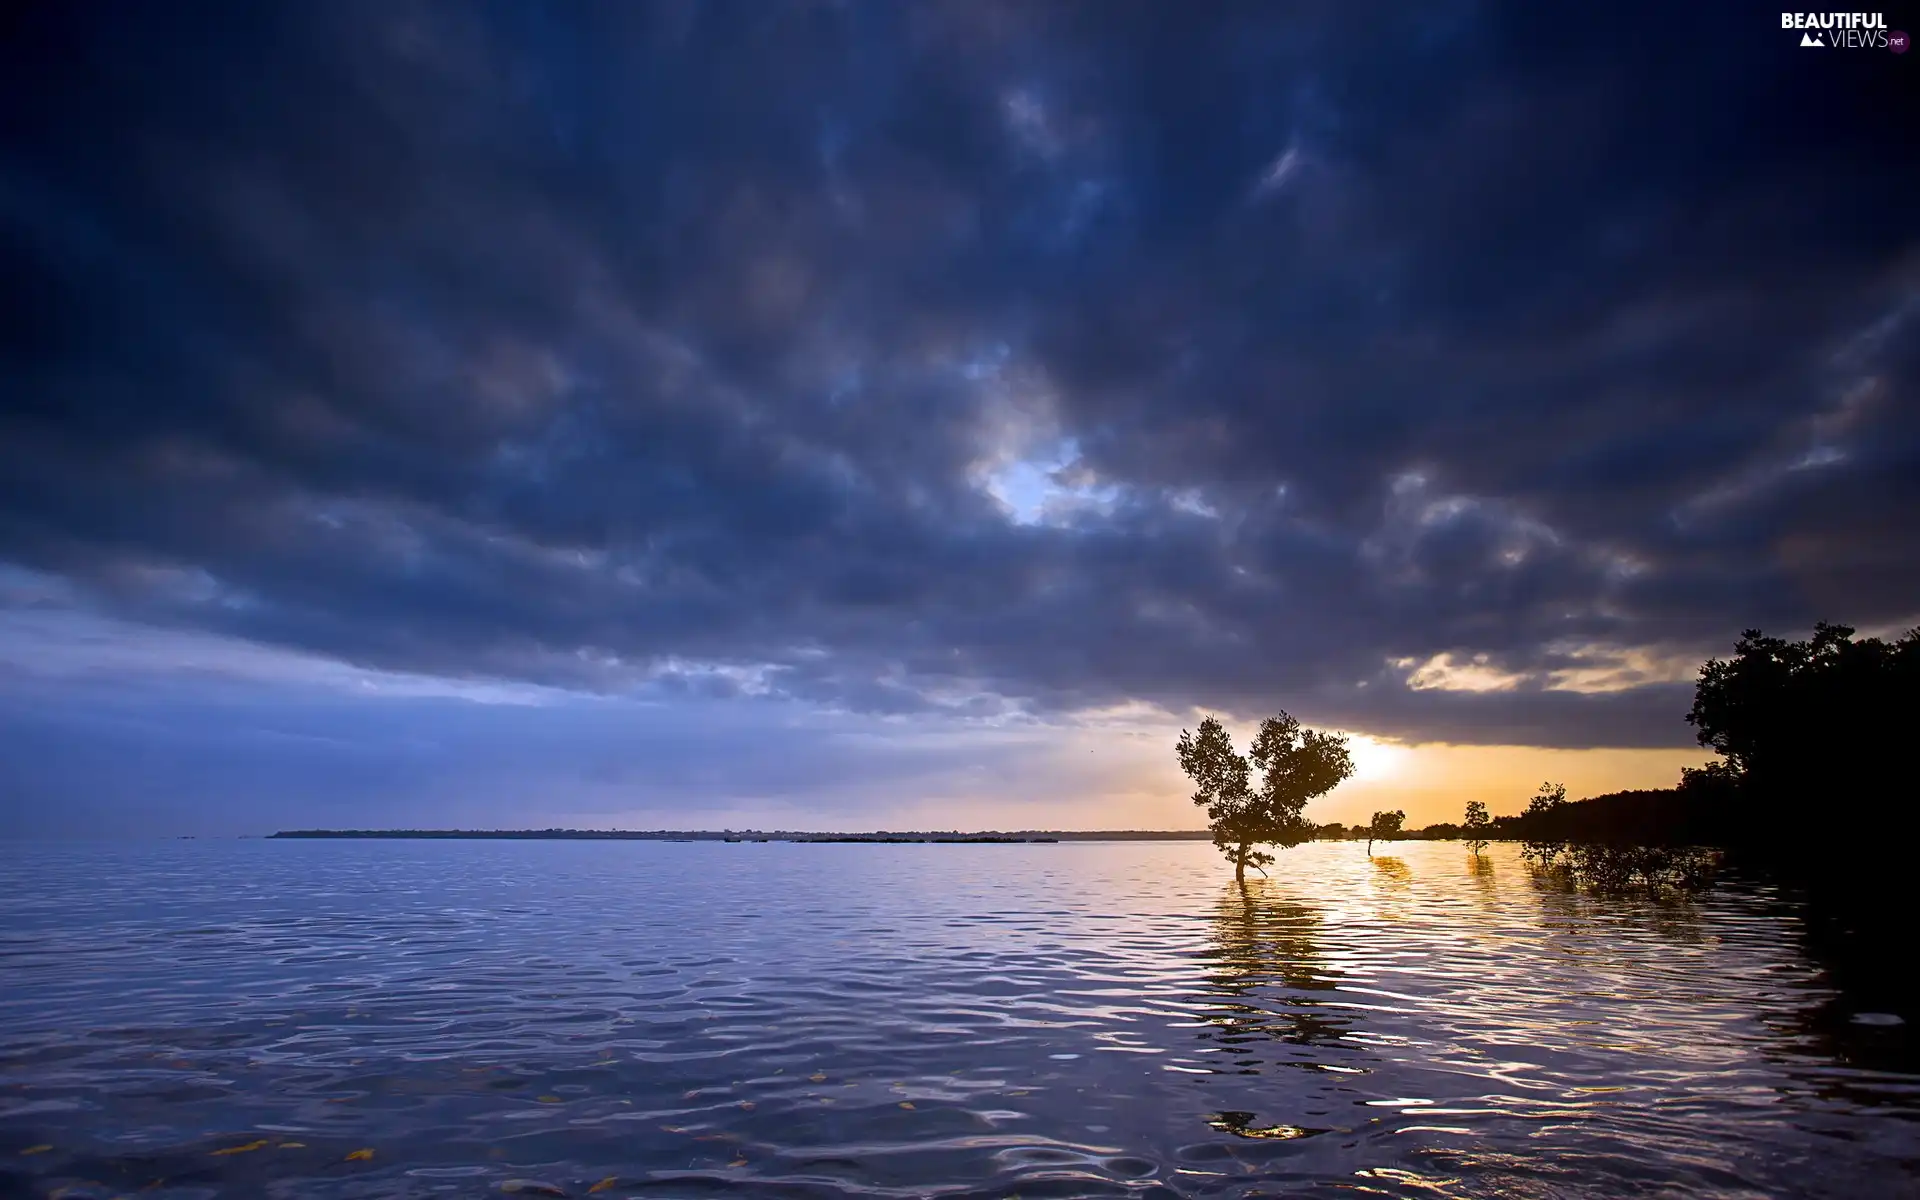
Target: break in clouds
{"points": [[1444, 373]]}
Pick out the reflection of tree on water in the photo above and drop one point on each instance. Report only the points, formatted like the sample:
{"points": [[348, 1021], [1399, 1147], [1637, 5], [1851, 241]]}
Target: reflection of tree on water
{"points": [[1241, 1124], [1392, 893], [1565, 905], [1393, 869], [1265, 979], [1861, 989], [1590, 922], [1480, 871]]}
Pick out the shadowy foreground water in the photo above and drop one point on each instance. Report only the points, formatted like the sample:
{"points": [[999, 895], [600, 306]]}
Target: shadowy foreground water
{"points": [[365, 1019]]}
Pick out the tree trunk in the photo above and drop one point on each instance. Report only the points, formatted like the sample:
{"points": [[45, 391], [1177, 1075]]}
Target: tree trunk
{"points": [[1240, 863], [1369, 847]]}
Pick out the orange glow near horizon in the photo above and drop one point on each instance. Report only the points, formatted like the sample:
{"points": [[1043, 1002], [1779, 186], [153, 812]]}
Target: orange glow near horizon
{"points": [[1437, 780], [1133, 782], [1101, 779]]}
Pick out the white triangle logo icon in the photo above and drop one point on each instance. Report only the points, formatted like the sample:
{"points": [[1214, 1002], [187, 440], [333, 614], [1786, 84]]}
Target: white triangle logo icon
{"points": [[1807, 39]]}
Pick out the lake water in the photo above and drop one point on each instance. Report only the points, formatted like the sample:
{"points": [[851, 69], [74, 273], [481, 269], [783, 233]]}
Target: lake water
{"points": [[361, 1019]]}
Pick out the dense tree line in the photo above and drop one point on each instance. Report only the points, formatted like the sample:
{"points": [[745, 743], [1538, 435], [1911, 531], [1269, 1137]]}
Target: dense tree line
{"points": [[1801, 728], [1803, 725]]}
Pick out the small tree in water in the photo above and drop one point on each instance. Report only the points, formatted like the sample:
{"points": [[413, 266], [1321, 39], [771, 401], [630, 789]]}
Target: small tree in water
{"points": [[1296, 764], [1385, 825], [1476, 825]]}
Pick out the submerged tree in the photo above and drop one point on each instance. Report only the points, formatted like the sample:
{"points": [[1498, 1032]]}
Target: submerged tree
{"points": [[1385, 826], [1476, 826], [1296, 764]]}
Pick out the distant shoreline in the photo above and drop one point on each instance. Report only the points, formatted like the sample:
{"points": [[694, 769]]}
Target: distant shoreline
{"points": [[749, 835]]}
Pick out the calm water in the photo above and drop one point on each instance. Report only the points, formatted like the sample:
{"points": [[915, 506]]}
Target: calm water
{"points": [[322, 1019]]}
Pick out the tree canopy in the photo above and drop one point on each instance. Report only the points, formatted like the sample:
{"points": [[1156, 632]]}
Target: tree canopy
{"points": [[1805, 722], [1296, 764], [1385, 825], [1477, 825]]}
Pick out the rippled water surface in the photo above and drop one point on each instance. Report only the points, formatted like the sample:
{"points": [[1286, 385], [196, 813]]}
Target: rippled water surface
{"points": [[691, 1019]]}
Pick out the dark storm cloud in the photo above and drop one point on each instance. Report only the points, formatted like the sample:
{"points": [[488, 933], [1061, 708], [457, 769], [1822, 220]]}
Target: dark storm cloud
{"points": [[906, 357]]}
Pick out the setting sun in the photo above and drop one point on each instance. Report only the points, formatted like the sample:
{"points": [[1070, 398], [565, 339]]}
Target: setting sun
{"points": [[1375, 760]]}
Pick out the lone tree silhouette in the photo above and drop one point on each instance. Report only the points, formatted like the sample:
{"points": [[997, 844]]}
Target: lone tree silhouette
{"points": [[1476, 826], [1385, 825], [1296, 765]]}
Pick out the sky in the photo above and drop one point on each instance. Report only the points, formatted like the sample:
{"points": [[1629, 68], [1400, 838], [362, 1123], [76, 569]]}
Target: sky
{"points": [[913, 414]]}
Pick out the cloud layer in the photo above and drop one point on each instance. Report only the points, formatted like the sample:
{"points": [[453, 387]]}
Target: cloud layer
{"points": [[1440, 372]]}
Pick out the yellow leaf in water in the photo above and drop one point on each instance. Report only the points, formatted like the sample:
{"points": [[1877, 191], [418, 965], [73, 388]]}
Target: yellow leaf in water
{"points": [[42, 1148], [747, 1104], [906, 1104], [603, 1185], [293, 1145], [360, 1156], [738, 1162], [259, 1145], [818, 1077], [548, 1099]]}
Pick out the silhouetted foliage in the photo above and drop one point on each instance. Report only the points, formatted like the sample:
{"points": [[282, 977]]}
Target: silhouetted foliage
{"points": [[1607, 866], [1715, 783], [1611, 868], [1476, 826], [1385, 826], [1801, 722], [1296, 765], [1542, 839], [1609, 842], [1654, 816], [1798, 725]]}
